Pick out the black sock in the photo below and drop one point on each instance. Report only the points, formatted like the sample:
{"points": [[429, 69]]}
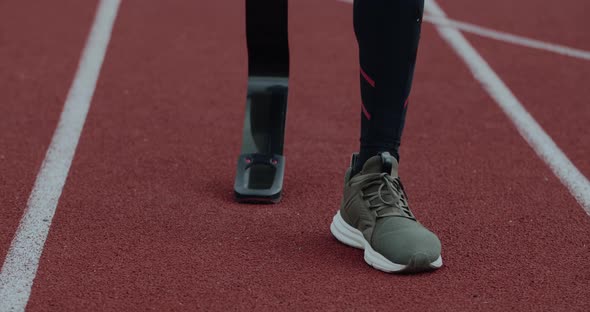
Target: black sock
{"points": [[387, 33]]}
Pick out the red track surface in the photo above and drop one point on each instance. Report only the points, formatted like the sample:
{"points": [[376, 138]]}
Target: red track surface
{"points": [[552, 87], [39, 52], [146, 219]]}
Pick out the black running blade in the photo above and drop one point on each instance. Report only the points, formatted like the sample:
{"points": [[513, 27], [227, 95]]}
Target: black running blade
{"points": [[261, 164]]}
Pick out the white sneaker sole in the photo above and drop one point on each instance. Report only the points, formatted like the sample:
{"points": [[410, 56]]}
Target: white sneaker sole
{"points": [[354, 238]]}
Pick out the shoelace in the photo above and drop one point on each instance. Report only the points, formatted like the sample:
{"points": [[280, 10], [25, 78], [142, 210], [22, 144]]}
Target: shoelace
{"points": [[387, 185]]}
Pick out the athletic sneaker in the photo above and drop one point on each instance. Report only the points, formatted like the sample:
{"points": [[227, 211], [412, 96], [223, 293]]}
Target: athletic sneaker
{"points": [[375, 216]]}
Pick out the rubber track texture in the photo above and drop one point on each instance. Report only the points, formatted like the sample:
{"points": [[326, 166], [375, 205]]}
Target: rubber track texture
{"points": [[147, 219], [39, 52]]}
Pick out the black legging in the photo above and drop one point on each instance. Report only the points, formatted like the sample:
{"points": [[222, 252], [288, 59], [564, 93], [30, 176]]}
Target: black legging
{"points": [[387, 32]]}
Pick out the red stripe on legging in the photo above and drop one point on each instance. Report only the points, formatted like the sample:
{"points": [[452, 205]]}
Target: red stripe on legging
{"points": [[365, 111], [367, 78]]}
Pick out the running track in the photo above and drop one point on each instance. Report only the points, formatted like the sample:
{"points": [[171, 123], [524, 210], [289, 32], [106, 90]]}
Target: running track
{"points": [[146, 218]]}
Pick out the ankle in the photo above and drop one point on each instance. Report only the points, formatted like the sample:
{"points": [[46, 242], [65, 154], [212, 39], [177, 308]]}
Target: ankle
{"points": [[358, 160]]}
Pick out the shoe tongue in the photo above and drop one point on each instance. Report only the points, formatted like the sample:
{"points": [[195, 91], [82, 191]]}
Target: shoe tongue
{"points": [[381, 163], [378, 164]]}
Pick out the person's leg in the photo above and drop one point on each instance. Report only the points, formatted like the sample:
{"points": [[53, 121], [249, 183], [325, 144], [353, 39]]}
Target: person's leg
{"points": [[387, 32], [375, 214]]}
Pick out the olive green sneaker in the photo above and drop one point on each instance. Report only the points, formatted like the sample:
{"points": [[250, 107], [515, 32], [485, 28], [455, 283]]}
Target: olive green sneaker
{"points": [[375, 216]]}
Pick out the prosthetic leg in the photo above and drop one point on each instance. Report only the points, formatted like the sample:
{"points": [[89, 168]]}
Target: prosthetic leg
{"points": [[261, 164]]}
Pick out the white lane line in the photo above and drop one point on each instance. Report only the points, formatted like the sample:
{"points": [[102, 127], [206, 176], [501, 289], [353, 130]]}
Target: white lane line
{"points": [[505, 37], [22, 260], [531, 131]]}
